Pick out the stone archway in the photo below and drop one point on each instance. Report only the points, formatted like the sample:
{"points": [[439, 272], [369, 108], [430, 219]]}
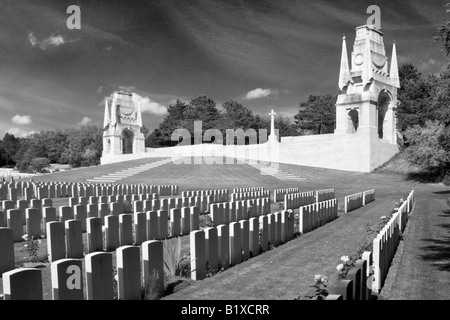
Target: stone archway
{"points": [[127, 141], [353, 121], [384, 100]]}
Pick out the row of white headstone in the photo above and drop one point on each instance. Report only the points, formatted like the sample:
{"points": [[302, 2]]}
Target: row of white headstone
{"points": [[386, 242], [315, 215], [227, 245], [358, 200], [278, 194], [228, 212], [249, 195], [294, 199], [30, 190], [221, 195], [250, 189], [133, 281], [65, 240]]}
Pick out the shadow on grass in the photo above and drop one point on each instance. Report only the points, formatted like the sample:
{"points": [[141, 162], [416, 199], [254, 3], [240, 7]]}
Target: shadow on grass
{"points": [[426, 176], [438, 252], [442, 192], [445, 215]]}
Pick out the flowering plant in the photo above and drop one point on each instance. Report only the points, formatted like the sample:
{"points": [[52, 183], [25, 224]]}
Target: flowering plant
{"points": [[345, 266], [31, 247], [320, 284]]}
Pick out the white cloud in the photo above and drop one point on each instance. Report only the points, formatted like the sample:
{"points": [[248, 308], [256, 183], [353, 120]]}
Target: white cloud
{"points": [[85, 121], [21, 120], [149, 106], [260, 93], [17, 132], [52, 41]]}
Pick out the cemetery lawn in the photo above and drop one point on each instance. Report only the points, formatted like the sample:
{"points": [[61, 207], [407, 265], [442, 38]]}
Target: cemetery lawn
{"points": [[287, 272]]}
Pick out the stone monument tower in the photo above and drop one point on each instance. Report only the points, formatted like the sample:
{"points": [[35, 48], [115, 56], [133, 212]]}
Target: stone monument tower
{"points": [[122, 126], [368, 89]]}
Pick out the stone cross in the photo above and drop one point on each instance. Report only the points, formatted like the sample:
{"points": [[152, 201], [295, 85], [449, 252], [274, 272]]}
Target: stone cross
{"points": [[272, 125]]}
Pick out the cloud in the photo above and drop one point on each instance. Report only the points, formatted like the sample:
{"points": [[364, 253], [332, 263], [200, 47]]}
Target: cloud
{"points": [[17, 132], [260, 93], [52, 41], [85, 121], [21, 120], [149, 106]]}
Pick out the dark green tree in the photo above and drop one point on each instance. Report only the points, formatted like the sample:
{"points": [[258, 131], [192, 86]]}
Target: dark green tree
{"points": [[443, 33], [414, 98], [317, 114]]}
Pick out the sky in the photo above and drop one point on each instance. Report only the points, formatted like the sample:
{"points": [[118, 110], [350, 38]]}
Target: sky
{"points": [[265, 54]]}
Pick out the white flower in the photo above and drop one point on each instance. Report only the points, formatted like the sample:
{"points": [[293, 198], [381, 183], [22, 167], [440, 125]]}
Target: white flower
{"points": [[25, 246], [345, 259], [39, 241], [340, 267], [25, 237], [116, 278], [317, 278]]}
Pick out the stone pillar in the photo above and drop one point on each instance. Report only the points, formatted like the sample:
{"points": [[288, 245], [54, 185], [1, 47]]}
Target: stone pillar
{"points": [[74, 239], [163, 226], [198, 261], [81, 215], [67, 281], [186, 220], [129, 273], [212, 247], [22, 284], [49, 216], [65, 213], [153, 268], [245, 239], [99, 277], [175, 222], [112, 232], [56, 246], [223, 236], [140, 228], [14, 222], [152, 226], [33, 219], [126, 229], [235, 243], [195, 219], [94, 235], [264, 237], [7, 261]]}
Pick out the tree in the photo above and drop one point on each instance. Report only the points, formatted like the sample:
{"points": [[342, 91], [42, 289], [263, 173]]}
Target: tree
{"points": [[80, 140], [414, 96], [285, 127], [440, 96], [3, 156], [161, 136], [443, 34], [39, 164], [236, 116], [429, 146], [10, 147], [317, 114]]}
